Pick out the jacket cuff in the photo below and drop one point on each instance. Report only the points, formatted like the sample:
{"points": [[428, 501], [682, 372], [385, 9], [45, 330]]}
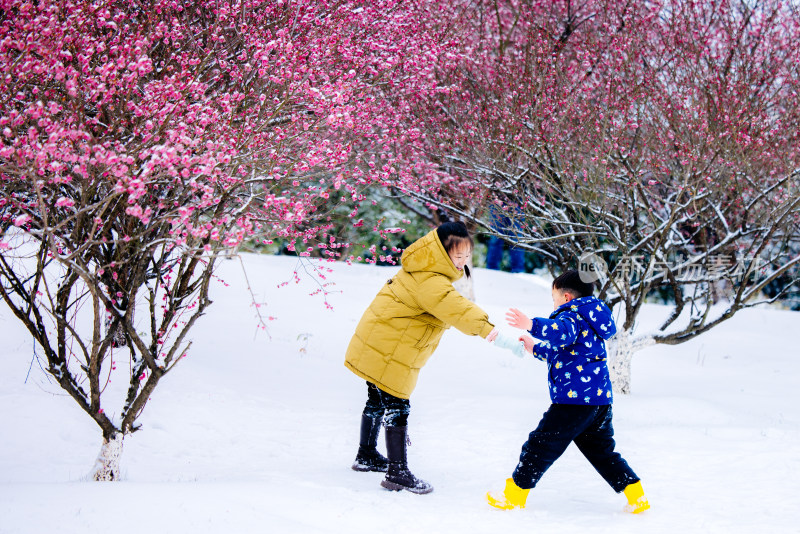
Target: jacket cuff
{"points": [[486, 330], [535, 330]]}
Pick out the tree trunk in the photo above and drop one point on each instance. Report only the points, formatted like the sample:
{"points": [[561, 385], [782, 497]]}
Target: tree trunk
{"points": [[106, 467], [620, 353]]}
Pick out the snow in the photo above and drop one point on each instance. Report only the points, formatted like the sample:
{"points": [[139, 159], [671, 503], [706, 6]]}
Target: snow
{"points": [[255, 432]]}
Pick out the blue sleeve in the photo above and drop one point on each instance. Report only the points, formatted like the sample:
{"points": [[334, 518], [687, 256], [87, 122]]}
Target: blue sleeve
{"points": [[557, 332], [542, 351]]}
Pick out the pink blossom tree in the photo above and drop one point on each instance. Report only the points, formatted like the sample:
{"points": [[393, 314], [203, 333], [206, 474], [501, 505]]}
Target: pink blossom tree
{"points": [[141, 141], [660, 137]]}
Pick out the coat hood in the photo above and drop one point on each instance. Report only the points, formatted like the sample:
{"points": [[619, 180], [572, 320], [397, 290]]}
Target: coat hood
{"points": [[427, 254], [595, 312]]}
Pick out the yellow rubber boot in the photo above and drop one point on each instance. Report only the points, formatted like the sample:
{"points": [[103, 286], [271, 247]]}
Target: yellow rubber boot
{"points": [[637, 502], [513, 497]]}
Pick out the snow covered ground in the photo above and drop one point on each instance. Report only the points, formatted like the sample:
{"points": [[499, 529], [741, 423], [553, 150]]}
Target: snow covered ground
{"points": [[256, 432]]}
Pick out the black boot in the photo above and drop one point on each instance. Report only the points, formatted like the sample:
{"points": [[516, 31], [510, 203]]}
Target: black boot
{"points": [[368, 457], [398, 477]]}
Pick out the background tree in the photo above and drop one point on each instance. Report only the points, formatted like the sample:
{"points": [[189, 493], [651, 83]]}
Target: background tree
{"points": [[143, 140], [661, 137]]}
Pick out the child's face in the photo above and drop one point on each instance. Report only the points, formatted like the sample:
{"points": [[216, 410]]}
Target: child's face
{"points": [[560, 298], [459, 255]]}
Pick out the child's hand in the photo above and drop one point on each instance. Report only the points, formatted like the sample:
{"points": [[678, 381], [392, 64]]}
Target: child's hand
{"points": [[517, 319], [492, 335], [514, 345], [528, 342]]}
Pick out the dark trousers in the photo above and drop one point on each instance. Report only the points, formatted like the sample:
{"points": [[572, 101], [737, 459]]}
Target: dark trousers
{"points": [[380, 404], [494, 255], [589, 427]]}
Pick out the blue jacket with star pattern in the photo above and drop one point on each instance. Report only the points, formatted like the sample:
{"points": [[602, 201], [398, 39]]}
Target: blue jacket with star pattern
{"points": [[572, 342]]}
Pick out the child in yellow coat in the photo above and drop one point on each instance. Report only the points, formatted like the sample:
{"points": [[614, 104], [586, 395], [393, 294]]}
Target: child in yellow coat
{"points": [[397, 335]]}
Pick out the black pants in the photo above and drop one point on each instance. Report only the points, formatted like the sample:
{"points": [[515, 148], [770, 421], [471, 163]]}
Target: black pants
{"points": [[393, 410], [589, 427]]}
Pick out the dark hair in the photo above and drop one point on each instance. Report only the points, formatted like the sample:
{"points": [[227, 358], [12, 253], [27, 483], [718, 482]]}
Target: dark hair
{"points": [[452, 234], [570, 281]]}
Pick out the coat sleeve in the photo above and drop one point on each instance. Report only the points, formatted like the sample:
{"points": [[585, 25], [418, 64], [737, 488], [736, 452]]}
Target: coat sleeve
{"points": [[557, 332], [439, 298]]}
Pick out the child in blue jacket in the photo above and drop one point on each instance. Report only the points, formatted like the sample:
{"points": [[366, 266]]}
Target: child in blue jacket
{"points": [[572, 344]]}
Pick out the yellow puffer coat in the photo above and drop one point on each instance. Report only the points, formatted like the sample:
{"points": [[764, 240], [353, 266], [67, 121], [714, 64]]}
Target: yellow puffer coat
{"points": [[403, 325]]}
